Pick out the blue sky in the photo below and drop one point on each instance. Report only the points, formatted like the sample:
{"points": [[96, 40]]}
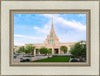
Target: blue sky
{"points": [[34, 28]]}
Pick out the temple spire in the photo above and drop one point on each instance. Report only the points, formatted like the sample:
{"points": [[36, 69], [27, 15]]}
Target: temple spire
{"points": [[52, 28], [52, 20]]}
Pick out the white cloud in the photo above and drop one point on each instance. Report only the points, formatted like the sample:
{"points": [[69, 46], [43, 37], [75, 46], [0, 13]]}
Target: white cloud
{"points": [[45, 29], [36, 28], [59, 21], [72, 36], [21, 39], [23, 36], [65, 23], [82, 15], [19, 15], [78, 33]]}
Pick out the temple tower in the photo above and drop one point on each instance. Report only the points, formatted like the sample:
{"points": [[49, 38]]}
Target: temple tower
{"points": [[52, 39]]}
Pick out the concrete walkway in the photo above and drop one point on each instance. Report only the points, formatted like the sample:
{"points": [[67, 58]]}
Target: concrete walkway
{"points": [[41, 57]]}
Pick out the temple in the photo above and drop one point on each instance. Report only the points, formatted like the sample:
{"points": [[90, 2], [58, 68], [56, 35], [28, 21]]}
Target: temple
{"points": [[52, 42]]}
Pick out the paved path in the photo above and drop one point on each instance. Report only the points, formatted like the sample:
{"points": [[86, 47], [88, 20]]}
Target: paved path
{"points": [[41, 57]]}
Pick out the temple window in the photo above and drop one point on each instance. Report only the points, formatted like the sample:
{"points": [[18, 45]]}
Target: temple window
{"points": [[51, 35], [53, 41], [48, 41]]}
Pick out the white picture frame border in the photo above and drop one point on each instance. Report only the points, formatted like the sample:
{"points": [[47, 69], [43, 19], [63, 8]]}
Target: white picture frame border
{"points": [[87, 70]]}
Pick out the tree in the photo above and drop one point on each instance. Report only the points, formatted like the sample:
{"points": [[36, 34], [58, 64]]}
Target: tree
{"points": [[21, 49], [78, 50], [64, 49], [43, 50], [49, 51], [29, 48]]}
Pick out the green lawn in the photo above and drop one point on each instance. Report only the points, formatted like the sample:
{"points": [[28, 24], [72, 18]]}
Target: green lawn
{"points": [[54, 59]]}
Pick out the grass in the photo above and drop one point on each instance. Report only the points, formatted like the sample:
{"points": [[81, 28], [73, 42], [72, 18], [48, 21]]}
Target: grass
{"points": [[54, 59]]}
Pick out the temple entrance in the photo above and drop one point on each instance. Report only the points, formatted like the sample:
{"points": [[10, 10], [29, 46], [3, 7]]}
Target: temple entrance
{"points": [[56, 51], [50, 50], [37, 52]]}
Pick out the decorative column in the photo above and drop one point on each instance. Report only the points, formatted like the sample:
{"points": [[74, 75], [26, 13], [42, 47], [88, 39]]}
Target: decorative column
{"points": [[59, 51], [34, 52], [52, 51], [68, 51]]}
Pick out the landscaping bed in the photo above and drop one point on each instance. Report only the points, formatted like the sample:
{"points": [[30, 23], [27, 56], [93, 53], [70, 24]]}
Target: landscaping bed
{"points": [[54, 59]]}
